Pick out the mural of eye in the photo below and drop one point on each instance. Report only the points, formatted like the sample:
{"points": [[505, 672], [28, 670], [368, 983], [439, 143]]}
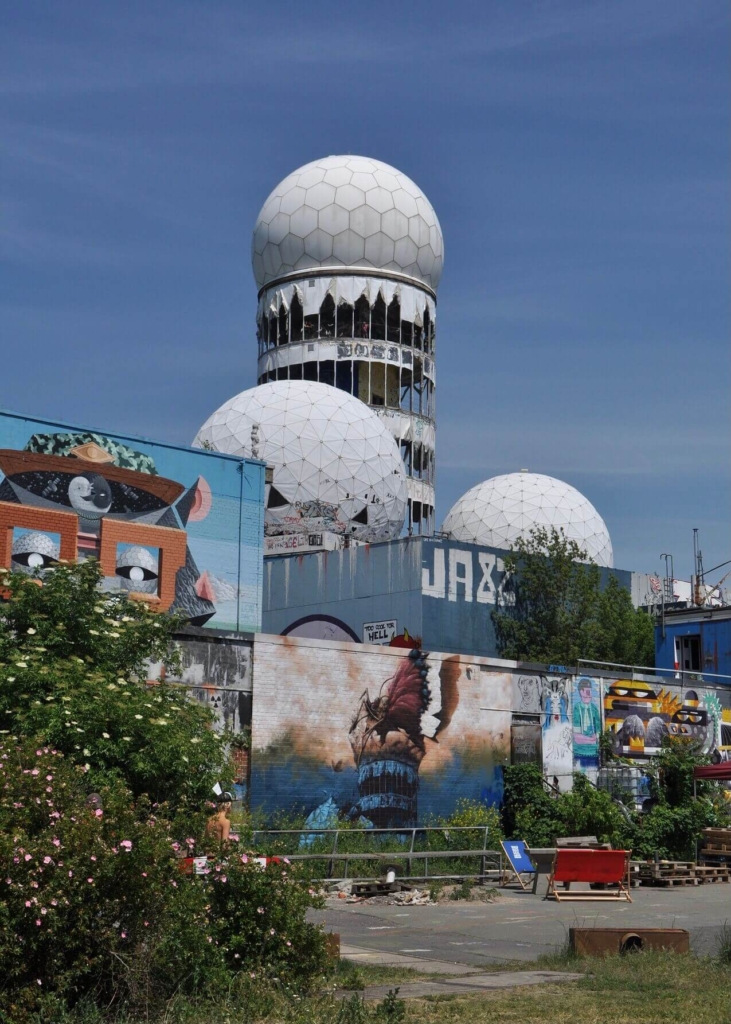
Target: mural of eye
{"points": [[137, 569], [33, 552]]}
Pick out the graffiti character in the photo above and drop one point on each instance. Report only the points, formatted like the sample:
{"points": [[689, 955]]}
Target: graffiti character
{"points": [[587, 724], [389, 732]]}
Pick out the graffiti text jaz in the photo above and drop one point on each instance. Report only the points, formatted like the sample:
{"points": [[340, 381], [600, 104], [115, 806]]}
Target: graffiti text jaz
{"points": [[464, 575]]}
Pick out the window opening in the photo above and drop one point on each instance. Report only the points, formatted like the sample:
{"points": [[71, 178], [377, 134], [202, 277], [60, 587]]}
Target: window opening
{"points": [[310, 370], [362, 318], [296, 318], [406, 455], [283, 325], [327, 372], [407, 332], [327, 317], [344, 376], [378, 384], [417, 335], [311, 321], [361, 380], [345, 320], [394, 320], [406, 389], [378, 319], [283, 373], [295, 371], [393, 390]]}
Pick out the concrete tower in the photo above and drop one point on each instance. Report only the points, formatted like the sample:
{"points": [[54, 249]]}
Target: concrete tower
{"points": [[347, 255]]}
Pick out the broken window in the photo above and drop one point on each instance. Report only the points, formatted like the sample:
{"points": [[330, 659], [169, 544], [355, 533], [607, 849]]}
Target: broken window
{"points": [[327, 372], [393, 389], [344, 375], [311, 324], [345, 320], [283, 373], [296, 319], [327, 317], [361, 380], [310, 370], [283, 336], [378, 384], [394, 320], [406, 389], [378, 319], [273, 328], [295, 371], [407, 332], [362, 318], [417, 335], [406, 455]]}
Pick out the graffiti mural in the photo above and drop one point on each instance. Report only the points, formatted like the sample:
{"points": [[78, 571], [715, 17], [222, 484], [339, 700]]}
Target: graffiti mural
{"points": [[586, 722], [387, 736], [170, 541], [639, 715], [558, 759]]}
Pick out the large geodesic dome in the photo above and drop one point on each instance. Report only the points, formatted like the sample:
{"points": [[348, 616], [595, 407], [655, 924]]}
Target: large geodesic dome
{"points": [[347, 211], [336, 466], [498, 511]]}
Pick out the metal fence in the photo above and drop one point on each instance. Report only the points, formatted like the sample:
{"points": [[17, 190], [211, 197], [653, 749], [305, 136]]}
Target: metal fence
{"points": [[404, 850]]}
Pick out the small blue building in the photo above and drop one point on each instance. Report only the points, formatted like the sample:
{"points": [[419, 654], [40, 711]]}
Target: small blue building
{"points": [[695, 640]]}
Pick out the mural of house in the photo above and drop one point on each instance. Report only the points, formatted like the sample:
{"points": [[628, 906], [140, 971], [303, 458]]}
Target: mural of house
{"points": [[178, 528]]}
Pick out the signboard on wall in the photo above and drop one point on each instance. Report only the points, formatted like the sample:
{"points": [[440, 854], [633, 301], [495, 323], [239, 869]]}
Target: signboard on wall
{"points": [[381, 632]]}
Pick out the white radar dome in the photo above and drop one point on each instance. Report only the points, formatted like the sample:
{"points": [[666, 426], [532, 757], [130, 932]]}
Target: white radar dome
{"points": [[348, 211], [337, 468], [498, 511]]}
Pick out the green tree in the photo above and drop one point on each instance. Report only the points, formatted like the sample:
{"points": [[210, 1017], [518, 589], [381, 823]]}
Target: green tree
{"points": [[73, 673], [553, 608]]}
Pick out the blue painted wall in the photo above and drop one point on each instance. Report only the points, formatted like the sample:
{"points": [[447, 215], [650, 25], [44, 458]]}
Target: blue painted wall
{"points": [[218, 501], [715, 635], [441, 591]]}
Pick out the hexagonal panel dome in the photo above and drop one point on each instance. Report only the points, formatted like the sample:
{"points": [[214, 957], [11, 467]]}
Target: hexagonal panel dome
{"points": [[364, 204], [498, 511], [337, 468]]}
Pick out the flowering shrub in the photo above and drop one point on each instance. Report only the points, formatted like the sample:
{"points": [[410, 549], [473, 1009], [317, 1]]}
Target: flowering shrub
{"points": [[73, 672], [93, 900]]}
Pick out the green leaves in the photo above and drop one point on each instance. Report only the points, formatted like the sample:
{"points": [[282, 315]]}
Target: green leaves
{"points": [[553, 609]]}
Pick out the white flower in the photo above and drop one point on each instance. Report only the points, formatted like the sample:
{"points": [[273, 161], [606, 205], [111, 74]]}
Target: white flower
{"points": [[31, 631], [138, 716], [22, 664], [127, 738], [94, 631], [113, 634], [86, 752], [105, 735], [195, 740], [11, 679]]}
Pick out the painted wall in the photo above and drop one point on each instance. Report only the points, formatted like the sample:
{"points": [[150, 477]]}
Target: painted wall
{"points": [[437, 591], [177, 527], [389, 735]]}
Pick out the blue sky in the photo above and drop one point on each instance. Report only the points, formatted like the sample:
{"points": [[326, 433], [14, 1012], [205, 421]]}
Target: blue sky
{"points": [[576, 154]]}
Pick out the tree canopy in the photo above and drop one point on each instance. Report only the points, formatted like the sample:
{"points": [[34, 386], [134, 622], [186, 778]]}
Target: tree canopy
{"points": [[553, 608]]}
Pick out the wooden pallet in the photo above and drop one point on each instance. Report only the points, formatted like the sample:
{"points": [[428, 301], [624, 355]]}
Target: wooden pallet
{"points": [[674, 880], [707, 879]]}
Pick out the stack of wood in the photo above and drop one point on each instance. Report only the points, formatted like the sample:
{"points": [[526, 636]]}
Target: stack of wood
{"points": [[716, 847], [680, 872]]}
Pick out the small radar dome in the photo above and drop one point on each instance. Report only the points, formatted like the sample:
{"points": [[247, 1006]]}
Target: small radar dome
{"points": [[498, 511]]}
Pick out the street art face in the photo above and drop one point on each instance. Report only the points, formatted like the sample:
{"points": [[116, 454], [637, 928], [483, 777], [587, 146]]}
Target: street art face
{"points": [[557, 735], [384, 736], [639, 716], [320, 627], [586, 721], [74, 495]]}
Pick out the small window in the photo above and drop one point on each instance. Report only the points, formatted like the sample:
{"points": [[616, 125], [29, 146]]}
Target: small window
{"points": [[406, 455], [378, 384], [310, 370], [295, 371], [311, 325], [361, 380], [393, 390], [690, 652], [344, 375], [283, 373], [417, 336], [407, 332], [406, 390], [273, 329]]}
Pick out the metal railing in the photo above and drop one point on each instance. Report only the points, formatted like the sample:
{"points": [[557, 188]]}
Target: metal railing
{"points": [[490, 861], [645, 674]]}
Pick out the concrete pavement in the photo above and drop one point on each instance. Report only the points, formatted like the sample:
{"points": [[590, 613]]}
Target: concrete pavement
{"points": [[518, 926]]}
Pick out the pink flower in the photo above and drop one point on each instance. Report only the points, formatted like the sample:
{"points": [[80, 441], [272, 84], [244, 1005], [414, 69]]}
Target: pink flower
{"points": [[190, 842], [98, 812], [175, 885], [47, 860], [43, 910], [35, 772], [289, 943], [286, 861], [223, 878], [90, 881], [176, 846], [49, 778], [92, 857], [126, 844], [144, 874], [71, 874], [27, 857], [39, 753], [260, 910], [244, 859], [56, 842], [124, 935], [146, 924], [54, 903], [272, 932], [27, 903], [38, 921]]}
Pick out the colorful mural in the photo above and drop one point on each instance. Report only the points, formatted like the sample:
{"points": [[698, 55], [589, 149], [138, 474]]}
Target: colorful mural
{"points": [[586, 722], [189, 542], [558, 762], [385, 736]]}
